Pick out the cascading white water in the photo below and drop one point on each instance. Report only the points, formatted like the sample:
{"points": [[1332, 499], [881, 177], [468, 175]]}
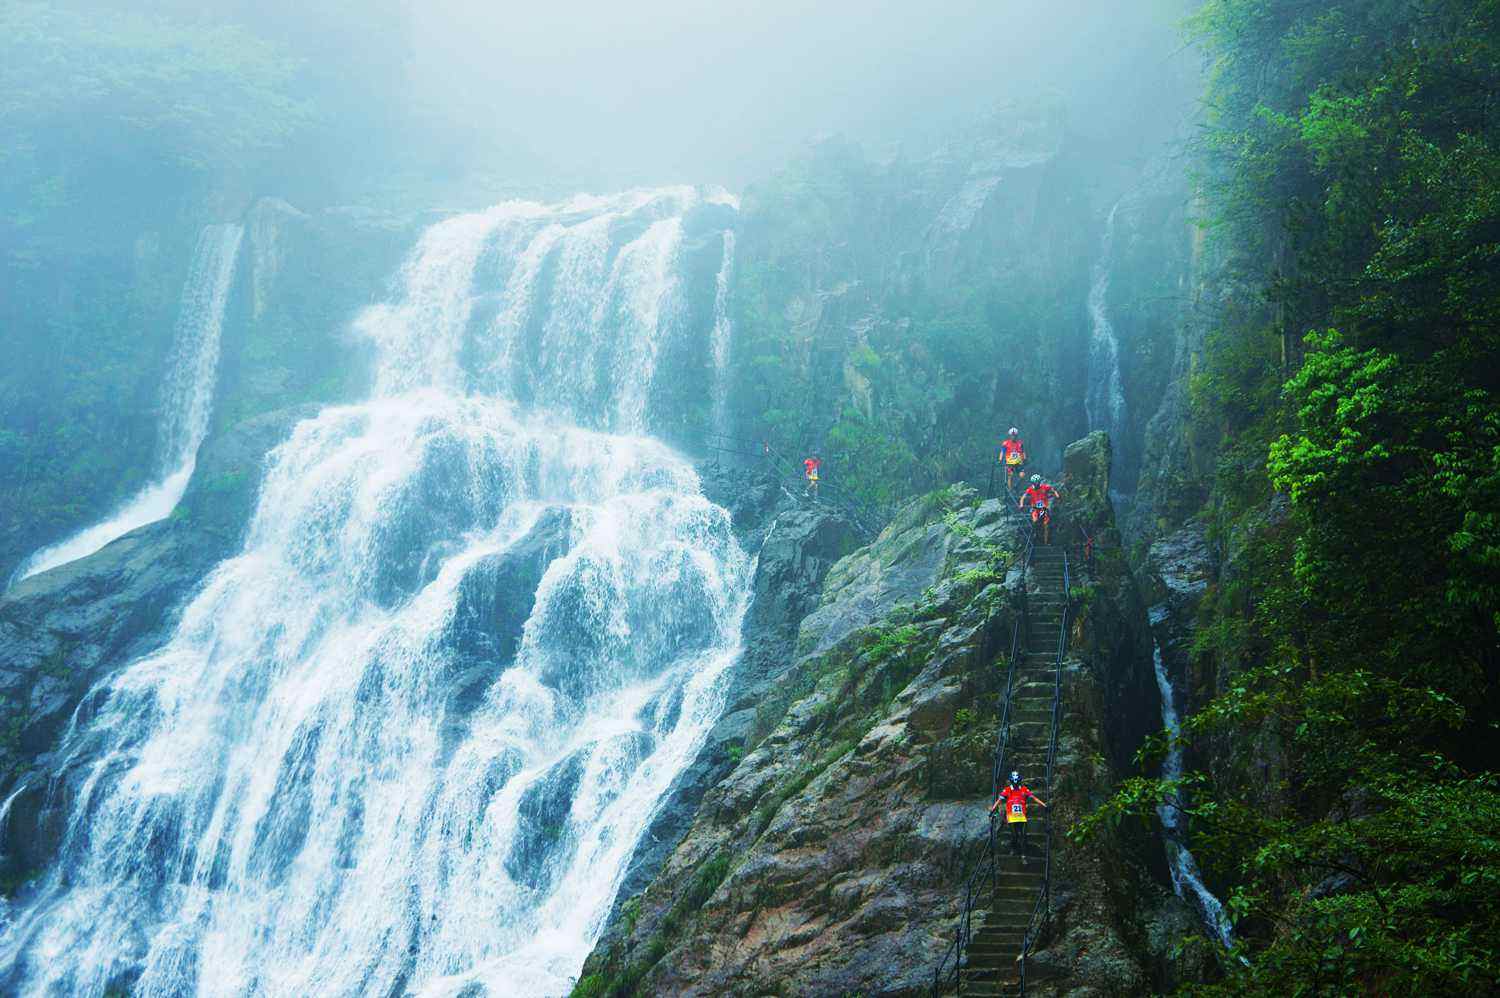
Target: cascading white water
{"points": [[1104, 400], [187, 402], [722, 336], [1187, 881], [361, 765]]}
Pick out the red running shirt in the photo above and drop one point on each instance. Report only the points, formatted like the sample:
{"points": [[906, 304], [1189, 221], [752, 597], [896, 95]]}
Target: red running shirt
{"points": [[1016, 799], [1041, 495], [1014, 450], [812, 464]]}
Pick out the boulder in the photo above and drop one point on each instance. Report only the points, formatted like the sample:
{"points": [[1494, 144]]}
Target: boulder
{"points": [[1085, 483]]}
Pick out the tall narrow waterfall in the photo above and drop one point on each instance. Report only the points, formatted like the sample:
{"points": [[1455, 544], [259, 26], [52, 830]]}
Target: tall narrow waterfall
{"points": [[187, 401], [1187, 881], [1104, 402], [406, 741], [721, 337]]}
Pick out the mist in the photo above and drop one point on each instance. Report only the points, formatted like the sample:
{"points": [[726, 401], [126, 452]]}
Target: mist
{"points": [[668, 91]]}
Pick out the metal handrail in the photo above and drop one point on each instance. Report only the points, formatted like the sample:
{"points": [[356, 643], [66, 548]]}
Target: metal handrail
{"points": [[986, 862], [1002, 737], [1043, 908]]}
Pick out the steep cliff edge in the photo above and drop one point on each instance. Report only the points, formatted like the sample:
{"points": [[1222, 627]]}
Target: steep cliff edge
{"points": [[828, 859]]}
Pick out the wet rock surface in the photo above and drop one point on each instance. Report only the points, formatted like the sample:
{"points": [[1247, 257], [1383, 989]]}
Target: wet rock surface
{"points": [[798, 545], [827, 858]]}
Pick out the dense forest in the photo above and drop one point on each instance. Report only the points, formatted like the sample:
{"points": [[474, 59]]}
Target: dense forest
{"points": [[1347, 394], [1287, 233]]}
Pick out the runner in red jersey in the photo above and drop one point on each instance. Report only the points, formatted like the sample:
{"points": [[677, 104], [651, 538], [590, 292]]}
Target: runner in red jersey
{"points": [[1013, 456], [1015, 797], [1040, 496], [810, 470]]}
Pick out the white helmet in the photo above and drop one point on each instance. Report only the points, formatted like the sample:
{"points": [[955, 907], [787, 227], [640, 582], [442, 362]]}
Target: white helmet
{"points": [[1036, 479], [1014, 431]]}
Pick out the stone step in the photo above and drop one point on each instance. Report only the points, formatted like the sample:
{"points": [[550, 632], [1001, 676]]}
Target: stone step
{"points": [[995, 954], [986, 989], [1040, 678], [1035, 672], [1032, 704], [989, 972], [1016, 924]]}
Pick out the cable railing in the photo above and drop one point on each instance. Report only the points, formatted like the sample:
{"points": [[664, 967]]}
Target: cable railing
{"points": [[986, 864], [1043, 909]]}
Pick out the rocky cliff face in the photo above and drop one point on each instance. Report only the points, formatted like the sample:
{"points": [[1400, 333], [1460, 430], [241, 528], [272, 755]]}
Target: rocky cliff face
{"points": [[302, 279], [827, 859], [904, 313]]}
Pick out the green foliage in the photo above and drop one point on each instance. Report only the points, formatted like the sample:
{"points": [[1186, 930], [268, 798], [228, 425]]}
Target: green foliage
{"points": [[630, 913], [1352, 166], [621, 979], [590, 986]]}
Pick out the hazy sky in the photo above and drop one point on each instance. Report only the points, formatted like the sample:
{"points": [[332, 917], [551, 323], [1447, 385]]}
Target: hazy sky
{"points": [[671, 90]]}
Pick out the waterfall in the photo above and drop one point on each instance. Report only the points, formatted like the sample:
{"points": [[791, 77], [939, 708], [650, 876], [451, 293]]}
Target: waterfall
{"points": [[1104, 401], [187, 401], [721, 337], [406, 741], [1187, 881]]}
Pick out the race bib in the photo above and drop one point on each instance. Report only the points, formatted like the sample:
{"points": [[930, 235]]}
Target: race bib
{"points": [[1017, 812], [1013, 459]]}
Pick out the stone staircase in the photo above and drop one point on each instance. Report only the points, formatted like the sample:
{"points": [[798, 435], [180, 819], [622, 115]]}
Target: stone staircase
{"points": [[991, 962]]}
